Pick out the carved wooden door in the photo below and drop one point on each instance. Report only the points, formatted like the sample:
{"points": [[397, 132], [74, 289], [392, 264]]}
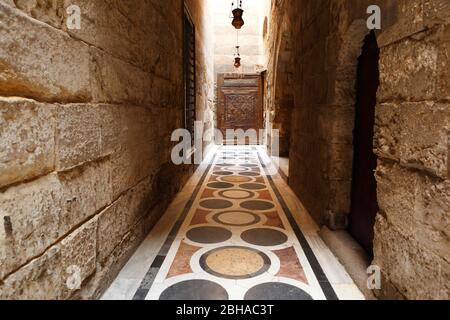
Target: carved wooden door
{"points": [[240, 102]]}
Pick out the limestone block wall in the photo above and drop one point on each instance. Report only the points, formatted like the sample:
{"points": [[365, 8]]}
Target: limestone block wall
{"points": [[411, 132], [279, 77], [412, 244], [85, 123]]}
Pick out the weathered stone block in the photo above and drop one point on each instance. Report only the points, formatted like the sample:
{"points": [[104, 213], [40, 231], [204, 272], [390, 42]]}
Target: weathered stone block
{"points": [[408, 71], [416, 68], [130, 134], [340, 161], [49, 276], [27, 134], [77, 146], [445, 281], [44, 210], [433, 216], [393, 180], [415, 134], [443, 63], [409, 19], [116, 81], [422, 209], [48, 11], [78, 253], [85, 191], [39, 61], [416, 272], [38, 280], [337, 124], [340, 197], [122, 216], [387, 131], [436, 12]]}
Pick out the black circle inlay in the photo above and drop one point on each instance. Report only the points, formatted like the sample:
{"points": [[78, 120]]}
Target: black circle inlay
{"points": [[220, 185], [195, 290], [264, 237], [258, 205], [216, 204], [276, 291], [252, 186], [209, 235]]}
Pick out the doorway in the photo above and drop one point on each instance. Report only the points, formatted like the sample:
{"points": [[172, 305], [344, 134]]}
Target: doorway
{"points": [[240, 102], [364, 207]]}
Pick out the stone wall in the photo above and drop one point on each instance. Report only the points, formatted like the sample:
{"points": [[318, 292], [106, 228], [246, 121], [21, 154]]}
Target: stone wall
{"points": [[412, 130], [85, 123], [412, 142], [279, 77]]}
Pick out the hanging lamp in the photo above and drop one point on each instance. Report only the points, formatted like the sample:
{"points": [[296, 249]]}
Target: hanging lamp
{"points": [[237, 53], [237, 58], [238, 13]]}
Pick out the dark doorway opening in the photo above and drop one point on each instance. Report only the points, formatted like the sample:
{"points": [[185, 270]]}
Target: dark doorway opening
{"points": [[364, 206]]}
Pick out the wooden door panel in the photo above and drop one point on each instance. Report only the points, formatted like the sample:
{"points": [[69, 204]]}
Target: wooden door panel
{"points": [[240, 102], [239, 111]]}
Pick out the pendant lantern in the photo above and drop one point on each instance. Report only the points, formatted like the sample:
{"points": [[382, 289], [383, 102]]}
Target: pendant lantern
{"points": [[238, 13]]}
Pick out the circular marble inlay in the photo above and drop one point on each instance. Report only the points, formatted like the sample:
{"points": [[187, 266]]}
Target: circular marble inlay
{"points": [[250, 174], [252, 186], [220, 185], [216, 204], [264, 237], [235, 262], [276, 291], [258, 205], [236, 218], [223, 173], [209, 235], [236, 179], [195, 290], [237, 194]]}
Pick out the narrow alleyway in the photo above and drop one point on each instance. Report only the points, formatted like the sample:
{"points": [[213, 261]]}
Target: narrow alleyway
{"points": [[97, 97], [242, 234]]}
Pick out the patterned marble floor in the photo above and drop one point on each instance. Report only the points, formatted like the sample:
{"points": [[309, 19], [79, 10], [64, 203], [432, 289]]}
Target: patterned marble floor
{"points": [[236, 238]]}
